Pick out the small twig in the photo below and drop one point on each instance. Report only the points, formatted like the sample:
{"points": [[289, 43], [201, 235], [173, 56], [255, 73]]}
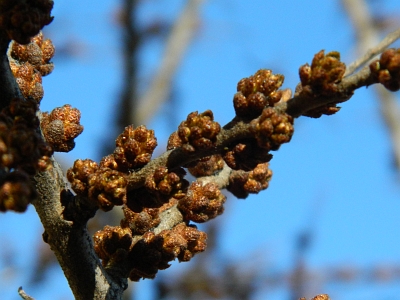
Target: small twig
{"points": [[371, 53], [24, 295]]}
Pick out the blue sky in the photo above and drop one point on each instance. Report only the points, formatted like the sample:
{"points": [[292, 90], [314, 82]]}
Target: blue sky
{"points": [[336, 174]]}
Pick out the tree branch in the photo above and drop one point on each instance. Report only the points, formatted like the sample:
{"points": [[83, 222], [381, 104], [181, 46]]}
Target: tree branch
{"points": [[70, 241]]}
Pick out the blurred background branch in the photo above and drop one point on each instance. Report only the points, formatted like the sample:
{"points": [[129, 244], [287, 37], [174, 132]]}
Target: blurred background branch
{"points": [[368, 33]]}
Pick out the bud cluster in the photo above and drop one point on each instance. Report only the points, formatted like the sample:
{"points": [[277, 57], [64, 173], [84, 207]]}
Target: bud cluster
{"points": [[61, 127], [198, 132], [272, 129], [143, 256], [386, 70], [256, 92], [322, 76], [23, 19], [29, 63], [242, 183], [22, 153], [158, 189], [207, 166], [202, 202], [321, 79], [103, 186], [246, 156]]}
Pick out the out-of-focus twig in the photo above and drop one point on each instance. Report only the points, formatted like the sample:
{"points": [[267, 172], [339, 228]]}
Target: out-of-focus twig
{"points": [[178, 41], [367, 37]]}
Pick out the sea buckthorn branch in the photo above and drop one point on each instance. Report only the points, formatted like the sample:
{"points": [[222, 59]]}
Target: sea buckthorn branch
{"points": [[345, 84], [70, 241], [157, 231], [20, 20]]}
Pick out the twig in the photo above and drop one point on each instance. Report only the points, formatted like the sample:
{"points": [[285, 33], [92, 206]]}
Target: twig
{"points": [[178, 41], [23, 295], [368, 36], [371, 53]]}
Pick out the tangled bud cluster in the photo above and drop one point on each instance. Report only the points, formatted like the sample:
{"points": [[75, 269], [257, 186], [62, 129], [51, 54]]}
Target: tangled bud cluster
{"points": [[199, 131], [272, 129], [29, 63], [144, 256], [158, 189], [202, 202], [386, 70], [103, 186], [22, 153], [23, 19], [256, 92], [242, 183], [61, 127]]}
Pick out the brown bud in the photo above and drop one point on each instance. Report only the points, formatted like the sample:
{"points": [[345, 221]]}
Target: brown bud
{"points": [[199, 131], [61, 127], [202, 203]]}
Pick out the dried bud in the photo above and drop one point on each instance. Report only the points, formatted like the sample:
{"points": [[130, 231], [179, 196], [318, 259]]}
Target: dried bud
{"points": [[272, 129], [242, 183], [202, 203], [386, 70], [134, 147], [61, 127], [199, 131]]}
